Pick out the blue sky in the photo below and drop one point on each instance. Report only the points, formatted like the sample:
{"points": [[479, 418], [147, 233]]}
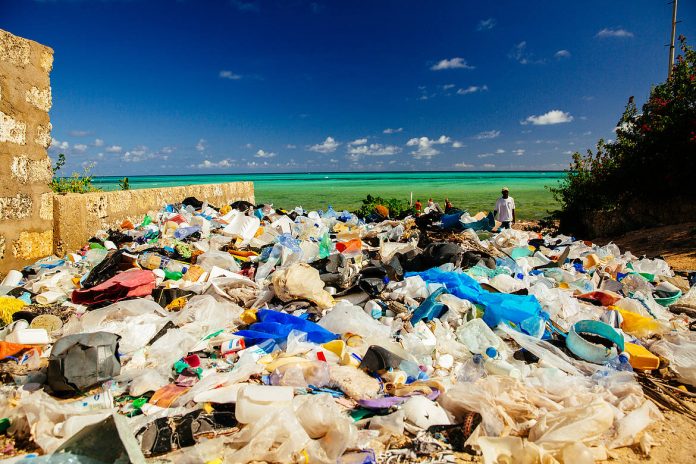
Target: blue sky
{"points": [[227, 86]]}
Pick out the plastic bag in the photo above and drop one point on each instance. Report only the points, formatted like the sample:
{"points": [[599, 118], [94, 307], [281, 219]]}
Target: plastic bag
{"points": [[680, 350], [221, 259], [347, 318]]}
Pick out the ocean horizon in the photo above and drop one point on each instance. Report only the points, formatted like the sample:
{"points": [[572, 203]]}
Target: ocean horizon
{"points": [[471, 190]]}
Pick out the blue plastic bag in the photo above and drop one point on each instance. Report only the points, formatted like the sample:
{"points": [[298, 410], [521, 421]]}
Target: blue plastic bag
{"points": [[498, 307], [274, 325]]}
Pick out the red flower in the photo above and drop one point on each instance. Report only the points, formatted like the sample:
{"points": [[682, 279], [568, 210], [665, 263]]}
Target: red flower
{"points": [[645, 128]]}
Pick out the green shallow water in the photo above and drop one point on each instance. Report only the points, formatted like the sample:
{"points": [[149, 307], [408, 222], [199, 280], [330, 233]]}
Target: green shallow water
{"points": [[469, 190]]}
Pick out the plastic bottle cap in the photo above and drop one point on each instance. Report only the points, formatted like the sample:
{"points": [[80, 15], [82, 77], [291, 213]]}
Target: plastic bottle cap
{"points": [[491, 352], [477, 358]]}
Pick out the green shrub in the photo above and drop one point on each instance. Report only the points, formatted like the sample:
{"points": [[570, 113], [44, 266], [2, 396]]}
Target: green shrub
{"points": [[123, 184], [652, 159], [76, 183], [397, 208]]}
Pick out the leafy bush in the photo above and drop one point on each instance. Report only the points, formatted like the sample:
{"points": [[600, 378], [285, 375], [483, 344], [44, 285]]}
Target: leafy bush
{"points": [[652, 159], [124, 184], [397, 208], [76, 183]]}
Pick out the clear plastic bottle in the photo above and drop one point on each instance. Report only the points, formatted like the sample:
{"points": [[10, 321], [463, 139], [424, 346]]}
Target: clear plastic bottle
{"points": [[495, 365], [622, 363], [154, 261], [265, 269], [471, 370]]}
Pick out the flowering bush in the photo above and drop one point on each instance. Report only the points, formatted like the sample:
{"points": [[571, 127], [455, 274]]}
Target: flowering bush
{"points": [[652, 158]]}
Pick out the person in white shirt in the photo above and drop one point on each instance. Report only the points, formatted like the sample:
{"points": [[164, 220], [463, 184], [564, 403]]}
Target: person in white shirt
{"points": [[505, 209]]}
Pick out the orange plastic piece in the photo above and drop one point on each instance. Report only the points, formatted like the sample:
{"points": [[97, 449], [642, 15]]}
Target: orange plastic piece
{"points": [[127, 225], [351, 246]]}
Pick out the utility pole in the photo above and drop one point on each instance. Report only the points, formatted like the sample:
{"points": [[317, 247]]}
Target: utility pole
{"points": [[671, 42]]}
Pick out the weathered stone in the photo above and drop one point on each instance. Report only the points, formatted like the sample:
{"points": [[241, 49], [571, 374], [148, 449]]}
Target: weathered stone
{"points": [[13, 49], [43, 135], [12, 130], [26, 206], [16, 207], [40, 98], [2, 247], [33, 245], [46, 207], [29, 171], [46, 61]]}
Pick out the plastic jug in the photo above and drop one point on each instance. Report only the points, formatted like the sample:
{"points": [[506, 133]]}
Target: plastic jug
{"points": [[255, 401]]}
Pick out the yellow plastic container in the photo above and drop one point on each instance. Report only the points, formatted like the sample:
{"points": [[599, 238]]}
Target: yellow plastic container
{"points": [[641, 358]]}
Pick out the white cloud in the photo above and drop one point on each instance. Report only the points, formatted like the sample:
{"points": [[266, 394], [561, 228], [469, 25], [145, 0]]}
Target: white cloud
{"points": [[458, 144], [264, 154], [463, 165], [472, 89], [202, 145], [374, 149], [114, 149], [290, 146], [561, 54], [78, 133], [389, 130], [137, 154], [224, 74], [248, 145], [327, 146], [225, 163], [488, 166], [500, 151], [518, 152], [485, 155], [333, 160], [448, 86], [98, 142], [486, 24], [452, 63], [80, 147], [425, 148], [58, 145], [167, 150], [614, 32], [491, 134], [362, 141], [552, 117], [520, 54]]}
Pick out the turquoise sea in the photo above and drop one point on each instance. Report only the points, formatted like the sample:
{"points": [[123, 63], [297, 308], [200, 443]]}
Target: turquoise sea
{"points": [[473, 191]]}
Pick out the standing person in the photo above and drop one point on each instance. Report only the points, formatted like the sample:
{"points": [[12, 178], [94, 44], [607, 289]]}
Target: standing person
{"points": [[505, 209], [430, 203], [448, 205], [418, 206]]}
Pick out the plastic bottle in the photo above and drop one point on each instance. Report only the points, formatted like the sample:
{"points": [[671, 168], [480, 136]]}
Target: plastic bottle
{"points": [[496, 366], [471, 370], [622, 362], [154, 261], [325, 246], [265, 269]]}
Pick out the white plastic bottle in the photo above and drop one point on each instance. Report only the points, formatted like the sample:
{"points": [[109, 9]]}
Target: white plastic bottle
{"points": [[496, 366]]}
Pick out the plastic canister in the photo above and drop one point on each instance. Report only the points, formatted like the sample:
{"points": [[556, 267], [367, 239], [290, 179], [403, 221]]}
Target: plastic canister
{"points": [[255, 401], [28, 336], [100, 400]]}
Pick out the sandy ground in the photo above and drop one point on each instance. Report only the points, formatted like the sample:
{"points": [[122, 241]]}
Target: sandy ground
{"points": [[675, 243]]}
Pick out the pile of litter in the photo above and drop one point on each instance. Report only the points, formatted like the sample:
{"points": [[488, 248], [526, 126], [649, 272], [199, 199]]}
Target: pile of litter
{"points": [[246, 333]]}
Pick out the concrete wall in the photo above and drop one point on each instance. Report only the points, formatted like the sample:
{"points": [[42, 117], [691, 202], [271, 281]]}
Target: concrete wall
{"points": [[26, 213], [78, 216]]}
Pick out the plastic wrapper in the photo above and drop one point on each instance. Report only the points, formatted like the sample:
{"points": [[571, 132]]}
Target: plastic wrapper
{"points": [[680, 350]]}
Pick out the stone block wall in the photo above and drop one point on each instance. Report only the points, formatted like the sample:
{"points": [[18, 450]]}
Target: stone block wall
{"points": [[77, 216], [26, 209]]}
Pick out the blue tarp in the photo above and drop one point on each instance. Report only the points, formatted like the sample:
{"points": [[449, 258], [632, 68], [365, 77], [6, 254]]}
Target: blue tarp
{"points": [[274, 325], [452, 221], [497, 306]]}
